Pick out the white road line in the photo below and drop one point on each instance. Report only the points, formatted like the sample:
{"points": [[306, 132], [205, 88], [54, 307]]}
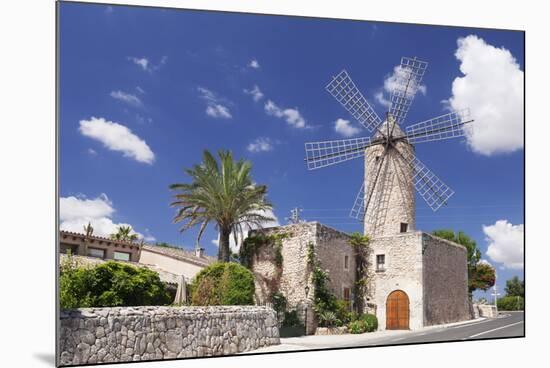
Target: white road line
{"points": [[495, 329]]}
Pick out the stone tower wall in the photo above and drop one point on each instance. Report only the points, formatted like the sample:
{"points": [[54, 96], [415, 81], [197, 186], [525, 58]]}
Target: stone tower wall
{"points": [[393, 200]]}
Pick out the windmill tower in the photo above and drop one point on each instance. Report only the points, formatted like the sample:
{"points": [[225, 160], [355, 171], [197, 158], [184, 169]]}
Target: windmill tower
{"points": [[386, 201]]}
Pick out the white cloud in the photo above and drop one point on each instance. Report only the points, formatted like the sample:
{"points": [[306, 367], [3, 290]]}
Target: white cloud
{"points": [[505, 244], [344, 128], [382, 100], [255, 92], [127, 98], [254, 64], [215, 106], [77, 212], [218, 111], [141, 62], [393, 81], [117, 137], [92, 152], [146, 65], [492, 87], [291, 116], [260, 144], [234, 247]]}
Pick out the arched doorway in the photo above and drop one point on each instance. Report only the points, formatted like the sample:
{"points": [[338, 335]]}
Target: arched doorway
{"points": [[397, 311]]}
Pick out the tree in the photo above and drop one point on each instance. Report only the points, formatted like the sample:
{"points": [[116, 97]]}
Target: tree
{"points": [[515, 287], [223, 194], [480, 275], [88, 230], [124, 233], [223, 283]]}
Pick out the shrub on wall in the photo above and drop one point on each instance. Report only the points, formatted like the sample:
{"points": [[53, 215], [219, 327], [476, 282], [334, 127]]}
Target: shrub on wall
{"points": [[109, 284], [223, 283]]}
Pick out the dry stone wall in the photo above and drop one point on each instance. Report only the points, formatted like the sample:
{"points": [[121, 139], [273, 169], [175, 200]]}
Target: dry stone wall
{"points": [[123, 334]]}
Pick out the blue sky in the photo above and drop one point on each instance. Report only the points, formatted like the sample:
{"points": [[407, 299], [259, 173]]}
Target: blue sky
{"points": [[178, 82]]}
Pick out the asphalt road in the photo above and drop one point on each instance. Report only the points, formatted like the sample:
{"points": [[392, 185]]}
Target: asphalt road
{"points": [[508, 324]]}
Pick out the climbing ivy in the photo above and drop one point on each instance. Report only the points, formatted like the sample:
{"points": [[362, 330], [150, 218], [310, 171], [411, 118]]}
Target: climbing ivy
{"points": [[360, 245], [253, 243], [324, 302]]}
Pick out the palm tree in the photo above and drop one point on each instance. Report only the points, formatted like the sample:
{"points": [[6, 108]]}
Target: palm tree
{"points": [[223, 194], [124, 234]]}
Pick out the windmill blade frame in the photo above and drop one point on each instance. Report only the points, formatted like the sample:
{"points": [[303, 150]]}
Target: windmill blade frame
{"points": [[343, 89], [432, 189], [447, 126], [326, 153], [409, 76]]}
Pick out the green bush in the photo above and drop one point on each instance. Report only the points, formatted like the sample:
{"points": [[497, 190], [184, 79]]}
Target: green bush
{"points": [[510, 303], [109, 284], [343, 312], [224, 283], [328, 318], [365, 323]]}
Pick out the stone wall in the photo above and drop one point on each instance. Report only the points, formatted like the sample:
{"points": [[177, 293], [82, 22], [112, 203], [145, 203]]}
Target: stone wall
{"points": [[403, 271], [123, 334], [445, 281], [485, 310]]}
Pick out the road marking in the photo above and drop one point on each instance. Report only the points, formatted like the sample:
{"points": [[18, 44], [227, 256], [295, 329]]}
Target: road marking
{"points": [[495, 329]]}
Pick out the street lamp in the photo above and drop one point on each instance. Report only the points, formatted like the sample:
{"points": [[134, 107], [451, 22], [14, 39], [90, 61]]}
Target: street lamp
{"points": [[306, 289]]}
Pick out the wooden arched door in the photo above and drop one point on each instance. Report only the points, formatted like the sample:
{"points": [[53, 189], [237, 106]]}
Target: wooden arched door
{"points": [[397, 311]]}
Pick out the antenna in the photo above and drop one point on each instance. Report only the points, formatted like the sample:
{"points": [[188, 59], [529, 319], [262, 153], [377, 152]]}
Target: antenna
{"points": [[294, 216]]}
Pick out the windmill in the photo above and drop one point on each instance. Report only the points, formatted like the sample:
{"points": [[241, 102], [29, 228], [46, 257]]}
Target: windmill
{"points": [[386, 200]]}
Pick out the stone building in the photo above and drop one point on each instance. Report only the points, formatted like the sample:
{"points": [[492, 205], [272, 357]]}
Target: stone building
{"points": [[414, 279], [333, 251], [97, 247]]}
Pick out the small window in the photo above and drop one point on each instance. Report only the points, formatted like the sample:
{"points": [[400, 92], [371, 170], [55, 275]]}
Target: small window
{"points": [[380, 262], [97, 253], [404, 227], [346, 262], [121, 256]]}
